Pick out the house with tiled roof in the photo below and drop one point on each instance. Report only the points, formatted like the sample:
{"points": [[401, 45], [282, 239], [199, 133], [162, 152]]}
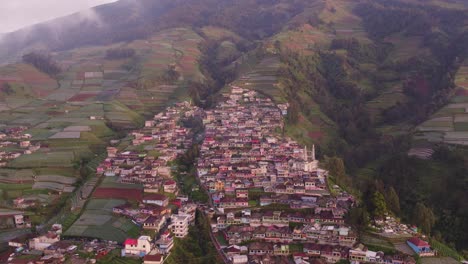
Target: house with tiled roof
{"points": [[153, 259], [421, 247], [137, 247]]}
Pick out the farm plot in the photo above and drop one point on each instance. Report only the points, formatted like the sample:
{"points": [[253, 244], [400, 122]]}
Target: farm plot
{"points": [[98, 223], [301, 39], [56, 178], [172, 47], [442, 260], [118, 193], [54, 186], [118, 113], [49, 159], [461, 78], [404, 248], [65, 172], [83, 96], [91, 218], [263, 78], [66, 135], [77, 129], [12, 191], [62, 95], [40, 134], [104, 204], [112, 182], [40, 197], [16, 176], [217, 33], [386, 100], [31, 119], [451, 122]]}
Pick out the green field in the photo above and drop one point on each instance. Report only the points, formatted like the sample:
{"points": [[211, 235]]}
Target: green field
{"points": [[97, 221]]}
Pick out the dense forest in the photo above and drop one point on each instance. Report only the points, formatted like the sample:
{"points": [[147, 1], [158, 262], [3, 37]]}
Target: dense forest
{"points": [[42, 62], [413, 189]]}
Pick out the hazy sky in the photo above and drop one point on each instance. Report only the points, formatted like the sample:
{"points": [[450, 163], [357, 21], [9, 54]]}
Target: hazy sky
{"points": [[15, 14]]}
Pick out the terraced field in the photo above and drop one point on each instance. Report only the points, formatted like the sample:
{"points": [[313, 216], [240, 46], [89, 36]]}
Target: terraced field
{"points": [[263, 77], [97, 221], [74, 116], [450, 124]]}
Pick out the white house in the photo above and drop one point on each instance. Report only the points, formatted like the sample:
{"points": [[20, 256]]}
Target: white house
{"points": [[180, 225], [239, 259], [43, 242], [165, 243], [156, 198], [138, 247]]}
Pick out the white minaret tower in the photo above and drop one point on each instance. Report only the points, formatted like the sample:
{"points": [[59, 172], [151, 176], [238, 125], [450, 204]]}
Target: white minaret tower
{"points": [[305, 153], [313, 152]]}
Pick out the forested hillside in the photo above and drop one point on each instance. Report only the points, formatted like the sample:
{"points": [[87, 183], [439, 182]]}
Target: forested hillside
{"points": [[376, 93]]}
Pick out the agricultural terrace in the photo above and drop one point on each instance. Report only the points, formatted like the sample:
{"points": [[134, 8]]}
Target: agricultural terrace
{"points": [[301, 39], [177, 47], [97, 221], [262, 76], [345, 24], [450, 124], [74, 116]]}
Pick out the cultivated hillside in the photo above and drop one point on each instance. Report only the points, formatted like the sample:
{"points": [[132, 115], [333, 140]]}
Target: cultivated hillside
{"points": [[368, 81]]}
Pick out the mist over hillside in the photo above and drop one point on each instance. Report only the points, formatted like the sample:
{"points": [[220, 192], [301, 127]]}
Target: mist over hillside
{"points": [[127, 20]]}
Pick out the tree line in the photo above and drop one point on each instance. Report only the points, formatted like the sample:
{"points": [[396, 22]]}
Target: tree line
{"points": [[43, 62]]}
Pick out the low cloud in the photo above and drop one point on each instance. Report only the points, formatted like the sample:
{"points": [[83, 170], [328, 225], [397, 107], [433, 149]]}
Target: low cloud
{"points": [[16, 14]]}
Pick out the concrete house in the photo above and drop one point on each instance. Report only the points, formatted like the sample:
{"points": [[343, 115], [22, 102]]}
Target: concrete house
{"points": [[137, 247]]}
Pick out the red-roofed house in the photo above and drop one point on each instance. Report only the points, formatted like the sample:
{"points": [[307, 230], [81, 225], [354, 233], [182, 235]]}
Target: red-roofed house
{"points": [[170, 186], [137, 247], [421, 247]]}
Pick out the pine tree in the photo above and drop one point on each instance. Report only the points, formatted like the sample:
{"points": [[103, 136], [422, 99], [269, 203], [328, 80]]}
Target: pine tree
{"points": [[379, 205], [393, 201]]}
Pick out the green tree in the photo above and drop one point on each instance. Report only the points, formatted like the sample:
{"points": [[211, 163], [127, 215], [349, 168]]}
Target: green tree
{"points": [[423, 217], [393, 201], [358, 217], [336, 167], [293, 113], [379, 205]]}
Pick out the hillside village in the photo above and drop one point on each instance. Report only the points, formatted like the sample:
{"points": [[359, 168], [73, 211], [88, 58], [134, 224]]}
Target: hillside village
{"points": [[14, 142], [269, 199]]}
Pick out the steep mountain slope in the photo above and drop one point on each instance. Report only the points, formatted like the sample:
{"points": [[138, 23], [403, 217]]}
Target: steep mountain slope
{"points": [[359, 77], [127, 20]]}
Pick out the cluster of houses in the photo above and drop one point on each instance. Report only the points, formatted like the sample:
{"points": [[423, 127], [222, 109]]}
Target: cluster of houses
{"points": [[166, 137], [51, 247], [166, 226], [310, 253], [154, 211], [276, 226], [14, 143], [243, 150], [271, 197], [390, 226], [154, 250], [44, 248]]}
